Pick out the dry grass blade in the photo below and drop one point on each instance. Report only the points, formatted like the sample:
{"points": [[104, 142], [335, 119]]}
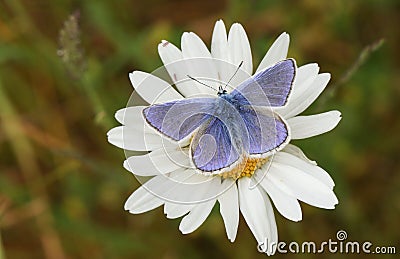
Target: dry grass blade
{"points": [[3, 205], [2, 255], [362, 58], [25, 156]]}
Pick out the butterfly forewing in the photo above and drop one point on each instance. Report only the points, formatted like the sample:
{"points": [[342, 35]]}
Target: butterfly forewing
{"points": [[178, 119], [270, 87]]}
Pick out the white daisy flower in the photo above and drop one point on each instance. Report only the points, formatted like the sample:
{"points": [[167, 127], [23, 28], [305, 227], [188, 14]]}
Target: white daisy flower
{"points": [[285, 178]]}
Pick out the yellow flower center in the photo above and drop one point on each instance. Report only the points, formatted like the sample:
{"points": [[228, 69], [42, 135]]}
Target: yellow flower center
{"points": [[246, 168]]}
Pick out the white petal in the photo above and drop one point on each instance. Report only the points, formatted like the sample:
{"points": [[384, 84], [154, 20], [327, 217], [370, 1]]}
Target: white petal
{"points": [[153, 89], [229, 209], [220, 52], [153, 190], [239, 50], [176, 210], [160, 161], [141, 201], [272, 224], [287, 205], [219, 42], [193, 46], [311, 169], [176, 67], [302, 186], [130, 115], [296, 151], [313, 125], [196, 217], [199, 63], [304, 74], [257, 211], [185, 186], [298, 103], [277, 52], [136, 138], [195, 189]]}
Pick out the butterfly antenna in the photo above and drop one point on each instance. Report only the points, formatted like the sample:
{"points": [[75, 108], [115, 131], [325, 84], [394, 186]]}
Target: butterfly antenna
{"points": [[194, 79], [237, 69]]}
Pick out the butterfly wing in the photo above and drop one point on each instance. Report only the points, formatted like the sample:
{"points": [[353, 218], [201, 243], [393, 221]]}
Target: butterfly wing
{"points": [[178, 119], [219, 143], [270, 87], [213, 148], [267, 131]]}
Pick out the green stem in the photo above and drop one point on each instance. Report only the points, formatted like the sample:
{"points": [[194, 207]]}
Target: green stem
{"points": [[96, 102]]}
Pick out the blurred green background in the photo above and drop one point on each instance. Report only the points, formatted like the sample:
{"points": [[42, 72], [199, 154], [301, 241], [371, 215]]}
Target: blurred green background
{"points": [[62, 185]]}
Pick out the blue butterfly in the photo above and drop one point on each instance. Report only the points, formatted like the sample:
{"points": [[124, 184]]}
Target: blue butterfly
{"points": [[232, 126]]}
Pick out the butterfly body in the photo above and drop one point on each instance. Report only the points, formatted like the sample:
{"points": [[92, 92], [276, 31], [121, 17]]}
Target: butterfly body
{"points": [[233, 126], [232, 100]]}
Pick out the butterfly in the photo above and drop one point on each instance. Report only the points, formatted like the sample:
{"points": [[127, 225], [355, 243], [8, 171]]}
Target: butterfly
{"points": [[230, 127]]}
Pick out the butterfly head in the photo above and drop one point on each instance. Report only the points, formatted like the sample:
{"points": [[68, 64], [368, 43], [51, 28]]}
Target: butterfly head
{"points": [[221, 91]]}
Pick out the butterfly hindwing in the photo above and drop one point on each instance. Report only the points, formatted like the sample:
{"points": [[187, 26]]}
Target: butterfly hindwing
{"points": [[212, 147], [178, 119], [266, 130], [270, 87], [220, 142]]}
